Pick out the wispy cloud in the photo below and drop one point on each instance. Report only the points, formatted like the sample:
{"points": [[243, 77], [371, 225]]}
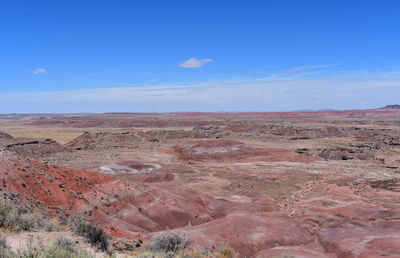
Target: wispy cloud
{"points": [[357, 89], [195, 63], [305, 71], [39, 71], [297, 70]]}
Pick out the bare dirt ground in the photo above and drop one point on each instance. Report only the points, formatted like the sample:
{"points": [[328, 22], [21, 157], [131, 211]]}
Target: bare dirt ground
{"points": [[311, 184]]}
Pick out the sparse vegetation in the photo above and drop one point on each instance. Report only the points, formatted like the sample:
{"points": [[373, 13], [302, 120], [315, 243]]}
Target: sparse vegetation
{"points": [[284, 256], [151, 254], [93, 234], [15, 218], [226, 252], [5, 250], [61, 248], [171, 242], [64, 242]]}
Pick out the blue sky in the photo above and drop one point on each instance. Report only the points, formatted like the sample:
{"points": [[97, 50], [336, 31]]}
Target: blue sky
{"points": [[163, 56]]}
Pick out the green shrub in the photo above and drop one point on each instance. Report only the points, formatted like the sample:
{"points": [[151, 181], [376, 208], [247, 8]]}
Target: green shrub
{"points": [[151, 254], [170, 242], [95, 235], [5, 251], [13, 217], [226, 252], [9, 216], [62, 252], [65, 243], [60, 248], [56, 251], [27, 221]]}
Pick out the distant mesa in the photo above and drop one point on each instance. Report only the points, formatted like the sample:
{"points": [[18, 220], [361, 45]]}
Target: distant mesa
{"points": [[396, 106], [5, 136], [34, 147], [230, 150]]}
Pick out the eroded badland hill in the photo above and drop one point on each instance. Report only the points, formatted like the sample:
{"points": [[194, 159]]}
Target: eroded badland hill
{"points": [[306, 184]]}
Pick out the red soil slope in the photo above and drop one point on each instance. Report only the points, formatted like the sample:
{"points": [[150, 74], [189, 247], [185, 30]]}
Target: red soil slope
{"points": [[248, 232], [46, 186], [69, 191], [129, 209], [302, 251], [362, 241]]}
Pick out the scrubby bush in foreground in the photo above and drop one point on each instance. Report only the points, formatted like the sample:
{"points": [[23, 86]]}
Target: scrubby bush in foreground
{"points": [[61, 248], [14, 217], [95, 235], [5, 250], [171, 242], [227, 252]]}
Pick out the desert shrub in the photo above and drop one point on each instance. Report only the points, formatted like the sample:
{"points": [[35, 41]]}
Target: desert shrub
{"points": [[61, 248], [226, 252], [8, 215], [286, 255], [27, 221], [13, 217], [151, 254], [55, 251], [171, 242], [65, 243], [95, 235], [5, 251], [76, 223], [61, 252], [50, 224]]}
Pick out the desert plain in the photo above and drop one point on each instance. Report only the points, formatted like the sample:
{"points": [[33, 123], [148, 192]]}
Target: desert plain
{"points": [[288, 184]]}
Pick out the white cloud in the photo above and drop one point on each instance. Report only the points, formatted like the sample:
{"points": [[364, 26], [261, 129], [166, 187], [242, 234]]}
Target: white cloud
{"points": [[39, 71], [195, 63], [212, 96], [347, 90]]}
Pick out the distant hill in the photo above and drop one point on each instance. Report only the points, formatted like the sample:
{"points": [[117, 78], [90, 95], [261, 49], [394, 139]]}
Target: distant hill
{"points": [[396, 106]]}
